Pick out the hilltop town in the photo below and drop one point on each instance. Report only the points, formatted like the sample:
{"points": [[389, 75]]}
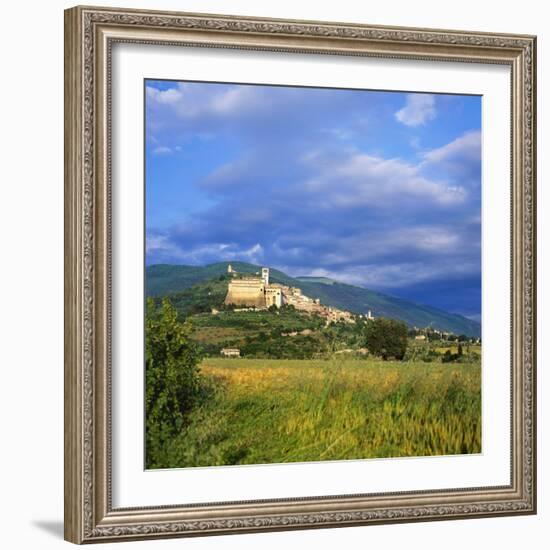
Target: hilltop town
{"points": [[258, 292], [201, 289]]}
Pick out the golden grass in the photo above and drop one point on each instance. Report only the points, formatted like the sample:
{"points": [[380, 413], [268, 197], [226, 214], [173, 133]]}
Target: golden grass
{"points": [[306, 410]]}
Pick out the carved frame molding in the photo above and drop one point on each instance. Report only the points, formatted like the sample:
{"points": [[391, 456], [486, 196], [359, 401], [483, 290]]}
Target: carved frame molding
{"points": [[89, 35]]}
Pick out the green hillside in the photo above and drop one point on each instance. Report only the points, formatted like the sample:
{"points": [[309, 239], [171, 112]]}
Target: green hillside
{"points": [[166, 279]]}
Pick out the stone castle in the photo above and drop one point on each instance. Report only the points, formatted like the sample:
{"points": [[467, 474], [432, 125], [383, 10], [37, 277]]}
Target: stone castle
{"points": [[249, 291]]}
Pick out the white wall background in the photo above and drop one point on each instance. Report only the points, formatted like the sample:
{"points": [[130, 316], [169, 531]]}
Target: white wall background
{"points": [[31, 272]]}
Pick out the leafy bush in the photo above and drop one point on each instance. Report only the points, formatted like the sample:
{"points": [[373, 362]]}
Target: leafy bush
{"points": [[173, 383]]}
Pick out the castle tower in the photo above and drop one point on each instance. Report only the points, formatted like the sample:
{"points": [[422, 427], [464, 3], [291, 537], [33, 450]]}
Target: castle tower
{"points": [[265, 275], [229, 269]]}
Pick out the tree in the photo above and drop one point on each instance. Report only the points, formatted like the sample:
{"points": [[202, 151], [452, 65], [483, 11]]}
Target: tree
{"points": [[172, 380], [387, 338]]}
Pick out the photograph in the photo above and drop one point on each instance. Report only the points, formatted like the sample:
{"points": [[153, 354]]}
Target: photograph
{"points": [[312, 274]]}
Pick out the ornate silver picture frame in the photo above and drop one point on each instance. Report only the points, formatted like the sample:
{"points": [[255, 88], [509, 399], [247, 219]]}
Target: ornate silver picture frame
{"points": [[90, 35]]}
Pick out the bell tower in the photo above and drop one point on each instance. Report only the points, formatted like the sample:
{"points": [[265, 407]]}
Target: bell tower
{"points": [[265, 275]]}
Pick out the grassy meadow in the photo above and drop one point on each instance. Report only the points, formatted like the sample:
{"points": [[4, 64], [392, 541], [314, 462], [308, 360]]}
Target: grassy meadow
{"points": [[276, 410]]}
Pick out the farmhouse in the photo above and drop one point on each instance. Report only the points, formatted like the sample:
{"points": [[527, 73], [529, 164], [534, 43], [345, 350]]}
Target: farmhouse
{"points": [[230, 352]]}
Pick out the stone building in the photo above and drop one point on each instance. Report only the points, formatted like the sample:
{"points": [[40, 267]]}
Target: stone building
{"points": [[273, 296], [246, 291], [251, 291]]}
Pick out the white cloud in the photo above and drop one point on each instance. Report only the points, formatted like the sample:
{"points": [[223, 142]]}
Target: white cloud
{"points": [[162, 150], [433, 238], [371, 180], [465, 147], [254, 253], [372, 245], [403, 274], [165, 248], [228, 175], [161, 245], [419, 109], [230, 101], [395, 275], [170, 96], [343, 134], [192, 102]]}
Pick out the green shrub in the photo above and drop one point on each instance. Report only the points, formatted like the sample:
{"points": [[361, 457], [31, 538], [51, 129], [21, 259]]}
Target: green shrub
{"points": [[172, 381]]}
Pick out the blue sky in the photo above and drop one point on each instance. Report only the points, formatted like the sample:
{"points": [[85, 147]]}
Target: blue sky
{"points": [[378, 189]]}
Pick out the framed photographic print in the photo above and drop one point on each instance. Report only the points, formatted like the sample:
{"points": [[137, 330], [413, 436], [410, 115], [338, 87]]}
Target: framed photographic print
{"points": [[300, 274]]}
